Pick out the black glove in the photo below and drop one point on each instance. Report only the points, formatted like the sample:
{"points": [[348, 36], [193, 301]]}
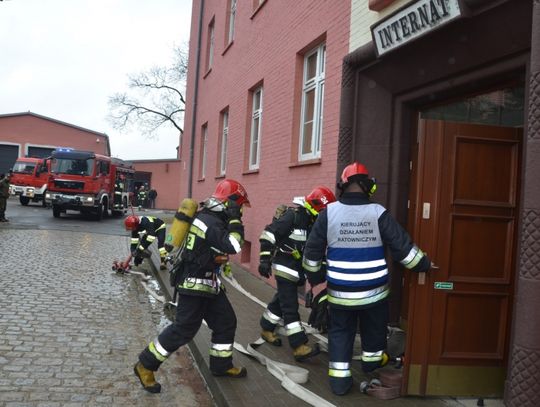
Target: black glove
{"points": [[137, 260], [423, 265], [233, 211], [265, 269], [318, 318]]}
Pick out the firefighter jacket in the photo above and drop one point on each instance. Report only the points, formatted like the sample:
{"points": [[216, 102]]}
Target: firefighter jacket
{"points": [[353, 233], [282, 243], [150, 228], [212, 236]]}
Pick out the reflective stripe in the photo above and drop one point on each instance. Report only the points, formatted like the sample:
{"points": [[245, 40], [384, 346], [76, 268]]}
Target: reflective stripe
{"points": [[413, 258], [285, 272], [162, 251], [200, 284], [271, 317], [293, 328], [161, 227], [311, 265], [372, 356], [357, 277], [235, 240], [157, 350], [339, 365], [262, 254], [222, 346], [356, 294], [356, 264], [299, 235], [339, 373], [350, 302], [134, 240], [221, 353], [265, 235], [150, 238], [200, 224]]}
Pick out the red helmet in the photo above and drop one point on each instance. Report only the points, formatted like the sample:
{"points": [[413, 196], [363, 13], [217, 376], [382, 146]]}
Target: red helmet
{"points": [[131, 222], [320, 197], [229, 189], [353, 169]]}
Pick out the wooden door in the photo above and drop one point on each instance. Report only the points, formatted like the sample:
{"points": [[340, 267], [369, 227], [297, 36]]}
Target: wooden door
{"points": [[465, 210]]}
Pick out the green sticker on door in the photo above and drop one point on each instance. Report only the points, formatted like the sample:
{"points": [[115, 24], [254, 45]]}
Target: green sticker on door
{"points": [[443, 285]]}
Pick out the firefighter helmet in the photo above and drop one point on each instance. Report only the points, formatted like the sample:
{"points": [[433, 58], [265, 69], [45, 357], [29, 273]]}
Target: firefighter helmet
{"points": [[131, 222], [229, 189], [320, 197], [357, 173], [353, 169]]}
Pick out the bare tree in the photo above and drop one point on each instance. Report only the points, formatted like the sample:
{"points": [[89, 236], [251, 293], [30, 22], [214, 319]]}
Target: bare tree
{"points": [[155, 98]]}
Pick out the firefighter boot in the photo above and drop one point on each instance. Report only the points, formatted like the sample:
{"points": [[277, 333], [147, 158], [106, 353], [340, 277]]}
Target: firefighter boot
{"points": [[234, 372], [271, 338], [304, 352], [147, 378]]}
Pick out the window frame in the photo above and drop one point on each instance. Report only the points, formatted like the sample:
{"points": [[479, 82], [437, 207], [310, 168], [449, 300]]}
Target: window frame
{"points": [[210, 45], [203, 151], [255, 114], [224, 137], [315, 84], [232, 10]]}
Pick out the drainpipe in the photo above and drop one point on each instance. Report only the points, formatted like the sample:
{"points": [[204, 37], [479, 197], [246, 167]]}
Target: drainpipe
{"points": [[522, 382], [195, 99]]}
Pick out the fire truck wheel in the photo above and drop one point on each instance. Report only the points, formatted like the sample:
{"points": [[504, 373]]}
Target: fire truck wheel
{"points": [[24, 200], [56, 211]]}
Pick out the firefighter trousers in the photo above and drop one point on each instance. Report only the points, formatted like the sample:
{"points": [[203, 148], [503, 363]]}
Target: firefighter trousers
{"points": [[343, 324], [285, 305], [218, 313]]}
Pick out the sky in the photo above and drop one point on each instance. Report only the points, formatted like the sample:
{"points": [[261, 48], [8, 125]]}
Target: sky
{"points": [[64, 58]]}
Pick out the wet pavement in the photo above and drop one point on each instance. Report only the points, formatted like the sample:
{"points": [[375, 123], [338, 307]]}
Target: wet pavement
{"points": [[71, 329]]}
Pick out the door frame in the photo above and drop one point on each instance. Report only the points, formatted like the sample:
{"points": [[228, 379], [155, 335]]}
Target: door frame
{"points": [[407, 116]]}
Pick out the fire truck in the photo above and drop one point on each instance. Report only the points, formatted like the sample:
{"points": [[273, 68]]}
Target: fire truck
{"points": [[29, 179], [89, 183]]}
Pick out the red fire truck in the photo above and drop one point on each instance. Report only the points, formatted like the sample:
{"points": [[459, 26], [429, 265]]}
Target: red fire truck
{"points": [[89, 183], [29, 179]]}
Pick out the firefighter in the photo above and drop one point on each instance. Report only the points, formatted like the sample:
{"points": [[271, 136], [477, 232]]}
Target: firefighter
{"points": [[282, 244], [141, 197], [118, 191], [144, 231], [216, 232], [353, 234]]}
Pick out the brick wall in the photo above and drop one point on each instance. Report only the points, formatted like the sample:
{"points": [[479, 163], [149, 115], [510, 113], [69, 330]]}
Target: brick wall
{"points": [[267, 49]]}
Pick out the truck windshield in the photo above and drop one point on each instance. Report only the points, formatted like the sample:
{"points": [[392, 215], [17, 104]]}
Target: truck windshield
{"points": [[24, 168], [73, 166]]}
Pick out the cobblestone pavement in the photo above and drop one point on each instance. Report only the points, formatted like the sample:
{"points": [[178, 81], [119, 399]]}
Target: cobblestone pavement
{"points": [[70, 328]]}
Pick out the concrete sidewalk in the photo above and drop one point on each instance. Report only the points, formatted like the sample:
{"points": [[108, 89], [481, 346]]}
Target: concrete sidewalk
{"points": [[260, 387]]}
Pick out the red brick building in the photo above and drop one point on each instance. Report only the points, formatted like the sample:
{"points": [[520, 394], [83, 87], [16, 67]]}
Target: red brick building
{"points": [[266, 84]]}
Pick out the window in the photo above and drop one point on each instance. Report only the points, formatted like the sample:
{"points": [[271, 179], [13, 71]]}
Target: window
{"points": [[224, 136], [255, 138], [210, 46], [204, 146], [232, 18], [312, 104]]}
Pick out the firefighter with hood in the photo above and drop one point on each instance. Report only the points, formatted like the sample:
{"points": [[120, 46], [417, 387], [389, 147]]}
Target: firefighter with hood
{"points": [[144, 231], [282, 245], [353, 234], [215, 232]]}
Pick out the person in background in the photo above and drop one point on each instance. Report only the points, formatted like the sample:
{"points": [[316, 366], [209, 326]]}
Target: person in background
{"points": [[4, 195], [152, 195], [141, 197]]}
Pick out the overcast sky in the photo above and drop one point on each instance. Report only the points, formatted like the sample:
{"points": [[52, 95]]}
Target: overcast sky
{"points": [[64, 58]]}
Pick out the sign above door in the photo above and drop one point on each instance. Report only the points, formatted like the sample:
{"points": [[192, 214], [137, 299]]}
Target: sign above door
{"points": [[413, 21]]}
